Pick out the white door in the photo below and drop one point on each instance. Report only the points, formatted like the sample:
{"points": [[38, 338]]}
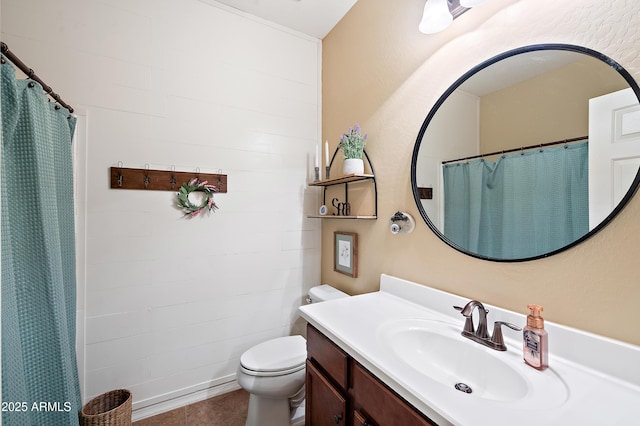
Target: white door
{"points": [[614, 151]]}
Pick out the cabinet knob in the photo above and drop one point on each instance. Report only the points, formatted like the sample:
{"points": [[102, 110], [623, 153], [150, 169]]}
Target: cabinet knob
{"points": [[337, 418]]}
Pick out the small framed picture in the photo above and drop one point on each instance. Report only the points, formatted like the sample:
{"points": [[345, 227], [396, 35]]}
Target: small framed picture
{"points": [[345, 256]]}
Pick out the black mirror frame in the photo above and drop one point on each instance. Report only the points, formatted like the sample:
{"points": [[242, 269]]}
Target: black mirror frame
{"points": [[531, 48]]}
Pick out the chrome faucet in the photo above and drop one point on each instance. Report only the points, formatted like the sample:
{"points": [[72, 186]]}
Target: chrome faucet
{"points": [[481, 334]]}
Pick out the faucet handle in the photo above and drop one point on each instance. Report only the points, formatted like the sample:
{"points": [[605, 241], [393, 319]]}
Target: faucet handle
{"points": [[496, 338]]}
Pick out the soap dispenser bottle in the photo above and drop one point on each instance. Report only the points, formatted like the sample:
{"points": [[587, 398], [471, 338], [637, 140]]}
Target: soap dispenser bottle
{"points": [[534, 339]]}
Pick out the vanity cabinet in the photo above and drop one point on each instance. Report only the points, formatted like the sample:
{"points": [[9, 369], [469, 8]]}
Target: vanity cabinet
{"points": [[341, 391]]}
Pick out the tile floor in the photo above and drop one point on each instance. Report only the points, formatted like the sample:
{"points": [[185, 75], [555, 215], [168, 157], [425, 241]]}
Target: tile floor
{"points": [[229, 409]]}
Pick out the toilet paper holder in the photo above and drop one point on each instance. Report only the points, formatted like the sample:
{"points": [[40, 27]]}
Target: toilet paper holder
{"points": [[402, 223]]}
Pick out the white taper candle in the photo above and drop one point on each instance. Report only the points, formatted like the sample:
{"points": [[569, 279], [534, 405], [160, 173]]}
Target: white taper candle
{"points": [[326, 153]]}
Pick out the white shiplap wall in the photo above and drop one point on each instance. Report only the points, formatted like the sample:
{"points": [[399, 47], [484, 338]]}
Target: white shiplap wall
{"points": [[170, 304]]}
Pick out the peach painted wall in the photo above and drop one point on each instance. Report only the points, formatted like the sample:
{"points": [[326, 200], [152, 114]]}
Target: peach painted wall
{"points": [[380, 72], [559, 106]]}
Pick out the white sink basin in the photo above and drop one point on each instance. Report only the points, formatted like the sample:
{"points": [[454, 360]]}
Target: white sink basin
{"points": [[437, 351], [408, 336]]}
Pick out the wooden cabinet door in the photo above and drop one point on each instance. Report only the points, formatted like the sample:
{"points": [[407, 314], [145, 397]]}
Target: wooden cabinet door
{"points": [[333, 360], [360, 419], [377, 404], [325, 406]]}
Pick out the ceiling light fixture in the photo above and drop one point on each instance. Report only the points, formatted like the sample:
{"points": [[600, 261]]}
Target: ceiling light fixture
{"points": [[439, 14], [436, 17], [470, 3]]}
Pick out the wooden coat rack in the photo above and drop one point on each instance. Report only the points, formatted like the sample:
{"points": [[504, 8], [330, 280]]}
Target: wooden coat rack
{"points": [[161, 180]]}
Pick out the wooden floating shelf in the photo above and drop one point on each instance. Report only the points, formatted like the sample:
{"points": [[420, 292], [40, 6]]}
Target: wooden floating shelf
{"points": [[161, 180], [344, 181], [341, 179]]}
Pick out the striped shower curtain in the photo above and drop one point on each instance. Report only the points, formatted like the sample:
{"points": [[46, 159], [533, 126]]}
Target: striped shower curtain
{"points": [[39, 370]]}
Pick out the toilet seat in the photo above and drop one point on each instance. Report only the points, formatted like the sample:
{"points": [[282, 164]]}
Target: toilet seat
{"points": [[276, 357]]}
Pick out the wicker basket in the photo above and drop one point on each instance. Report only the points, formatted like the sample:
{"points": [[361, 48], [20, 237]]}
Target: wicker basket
{"points": [[112, 408]]}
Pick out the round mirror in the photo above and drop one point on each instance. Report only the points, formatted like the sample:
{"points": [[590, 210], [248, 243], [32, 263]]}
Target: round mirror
{"points": [[529, 153]]}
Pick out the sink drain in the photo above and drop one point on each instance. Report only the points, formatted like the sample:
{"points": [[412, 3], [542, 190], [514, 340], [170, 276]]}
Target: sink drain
{"points": [[463, 387]]}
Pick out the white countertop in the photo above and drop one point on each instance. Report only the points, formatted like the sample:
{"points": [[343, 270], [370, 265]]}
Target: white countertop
{"points": [[602, 376]]}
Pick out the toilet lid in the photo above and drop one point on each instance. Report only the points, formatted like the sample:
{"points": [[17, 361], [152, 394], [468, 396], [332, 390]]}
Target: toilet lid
{"points": [[282, 353]]}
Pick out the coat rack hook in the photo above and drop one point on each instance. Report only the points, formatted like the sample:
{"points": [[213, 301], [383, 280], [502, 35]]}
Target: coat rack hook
{"points": [[120, 177], [173, 177], [147, 179]]}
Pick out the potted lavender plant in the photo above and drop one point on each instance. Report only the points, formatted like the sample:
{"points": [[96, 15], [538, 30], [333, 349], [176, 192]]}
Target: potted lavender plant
{"points": [[352, 145]]}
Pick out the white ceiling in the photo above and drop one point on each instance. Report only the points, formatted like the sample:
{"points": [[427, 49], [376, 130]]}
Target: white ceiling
{"points": [[312, 17], [316, 18]]}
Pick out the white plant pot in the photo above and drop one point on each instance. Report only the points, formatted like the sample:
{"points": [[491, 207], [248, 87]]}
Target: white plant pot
{"points": [[353, 166]]}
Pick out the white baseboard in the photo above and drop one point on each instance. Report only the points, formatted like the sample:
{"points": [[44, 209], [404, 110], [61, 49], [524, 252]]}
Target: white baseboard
{"points": [[183, 397]]}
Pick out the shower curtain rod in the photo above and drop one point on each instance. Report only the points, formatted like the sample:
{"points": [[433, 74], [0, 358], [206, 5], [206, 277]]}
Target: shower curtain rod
{"points": [[32, 75], [540, 145]]}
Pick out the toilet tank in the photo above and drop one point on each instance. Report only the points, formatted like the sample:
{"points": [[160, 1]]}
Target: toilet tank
{"points": [[324, 292]]}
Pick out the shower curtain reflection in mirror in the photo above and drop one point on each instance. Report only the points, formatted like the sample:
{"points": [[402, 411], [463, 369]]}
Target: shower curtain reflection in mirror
{"points": [[39, 370], [519, 206]]}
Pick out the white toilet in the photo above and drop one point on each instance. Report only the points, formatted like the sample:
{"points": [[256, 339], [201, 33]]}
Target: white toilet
{"points": [[273, 372]]}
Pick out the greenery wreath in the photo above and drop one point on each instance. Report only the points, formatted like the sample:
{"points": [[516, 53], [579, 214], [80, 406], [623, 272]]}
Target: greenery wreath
{"points": [[195, 185]]}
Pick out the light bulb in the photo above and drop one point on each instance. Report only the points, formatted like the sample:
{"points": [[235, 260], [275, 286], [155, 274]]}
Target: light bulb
{"points": [[436, 17], [470, 3]]}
